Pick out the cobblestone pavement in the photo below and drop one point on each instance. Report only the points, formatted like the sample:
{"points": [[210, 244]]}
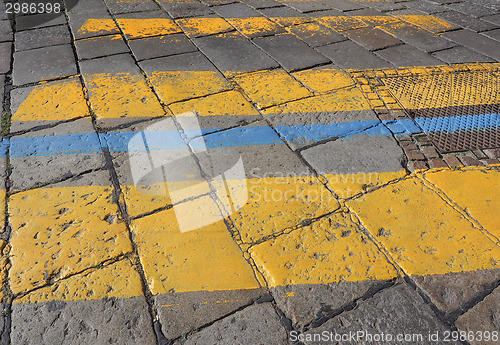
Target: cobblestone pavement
{"points": [[251, 172]]}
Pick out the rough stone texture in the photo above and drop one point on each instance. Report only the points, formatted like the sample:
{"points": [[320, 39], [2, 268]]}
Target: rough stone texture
{"points": [[258, 324], [5, 31], [348, 54], [28, 172], [104, 321], [495, 34], [234, 53], [315, 34], [5, 50], [78, 18], [450, 291], [290, 52], [283, 13], [477, 42], [372, 38], [484, 316], [43, 37], [460, 55], [153, 47], [309, 6], [38, 21], [405, 55], [396, 310], [96, 47], [236, 10], [2, 87], [185, 9], [181, 313], [471, 8], [118, 6], [43, 63], [492, 19], [357, 154], [466, 21], [425, 6], [303, 304], [262, 3]]}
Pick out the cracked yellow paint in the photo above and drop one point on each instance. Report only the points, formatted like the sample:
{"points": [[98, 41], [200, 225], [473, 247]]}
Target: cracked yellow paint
{"points": [[3, 195], [287, 21], [324, 80], [98, 26], [205, 259], [332, 249], [195, 27], [122, 95], [230, 103], [377, 20], [4, 252], [267, 88], [339, 100], [140, 28], [474, 190], [119, 280], [342, 23], [175, 86], [429, 23], [62, 230], [422, 233], [254, 25], [53, 101]]}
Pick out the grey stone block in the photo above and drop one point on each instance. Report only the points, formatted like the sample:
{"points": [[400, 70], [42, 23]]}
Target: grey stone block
{"points": [[290, 52], [384, 6], [236, 10], [425, 6], [103, 321], [44, 37], [470, 8], [231, 52], [483, 317], [310, 6], [158, 46], [118, 6], [185, 9], [6, 31], [95, 47], [477, 42], [315, 34], [257, 324], [87, 6], [361, 153], [346, 5], [39, 21], [122, 63], [372, 38], [396, 310], [77, 21], [31, 168], [495, 34], [262, 3], [181, 313], [282, 13], [466, 21], [5, 50], [348, 55], [43, 63], [452, 290], [460, 55], [218, 2], [495, 19], [405, 55], [185, 62], [2, 87]]}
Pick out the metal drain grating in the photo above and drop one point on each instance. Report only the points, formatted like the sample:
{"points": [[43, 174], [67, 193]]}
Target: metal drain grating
{"points": [[458, 111]]}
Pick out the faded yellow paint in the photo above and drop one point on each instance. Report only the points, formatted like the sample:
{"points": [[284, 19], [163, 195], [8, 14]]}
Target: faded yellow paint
{"points": [[340, 100], [195, 27], [62, 230], [278, 203], [332, 249], [267, 88], [53, 101], [230, 103], [205, 259], [342, 23], [422, 233], [122, 95], [119, 280], [475, 190], [98, 26], [429, 23], [377, 20], [175, 86], [140, 28], [287, 21], [324, 80], [4, 257], [254, 25], [3, 195]]}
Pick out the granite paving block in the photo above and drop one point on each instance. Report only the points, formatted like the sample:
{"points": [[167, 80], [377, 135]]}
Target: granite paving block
{"points": [[185, 9], [477, 42], [158, 46], [372, 38], [290, 52], [348, 55], [38, 21], [315, 34], [257, 324], [346, 5], [235, 10], [466, 21], [470, 8], [5, 50], [425, 6], [384, 6], [495, 19], [6, 31], [44, 37], [96, 47], [83, 24], [406, 55], [365, 12], [218, 2], [233, 54], [416, 37], [2, 87], [310, 6], [460, 55], [87, 6], [257, 4], [120, 6], [43, 63], [495, 34], [285, 16]]}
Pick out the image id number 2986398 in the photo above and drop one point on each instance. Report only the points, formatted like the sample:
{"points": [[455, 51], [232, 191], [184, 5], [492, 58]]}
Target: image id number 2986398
{"points": [[40, 7]]}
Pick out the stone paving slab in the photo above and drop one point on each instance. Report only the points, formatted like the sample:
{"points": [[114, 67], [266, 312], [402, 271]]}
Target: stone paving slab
{"points": [[159, 46], [45, 37], [6, 34], [341, 54]]}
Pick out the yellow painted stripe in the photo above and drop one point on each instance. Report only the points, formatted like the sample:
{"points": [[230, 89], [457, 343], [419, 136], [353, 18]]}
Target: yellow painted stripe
{"points": [[430, 23], [133, 28]]}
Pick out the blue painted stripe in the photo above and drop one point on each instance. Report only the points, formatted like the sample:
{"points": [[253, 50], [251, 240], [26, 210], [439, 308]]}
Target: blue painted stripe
{"points": [[451, 124]]}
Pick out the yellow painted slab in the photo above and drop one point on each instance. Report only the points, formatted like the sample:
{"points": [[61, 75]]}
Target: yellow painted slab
{"points": [[4, 252], [267, 88], [330, 250], [140, 28], [422, 233], [287, 21], [195, 27], [477, 191], [53, 101], [119, 280], [62, 230], [122, 95], [429, 23], [98, 26], [324, 80], [206, 259], [342, 23], [254, 25], [174, 86]]}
